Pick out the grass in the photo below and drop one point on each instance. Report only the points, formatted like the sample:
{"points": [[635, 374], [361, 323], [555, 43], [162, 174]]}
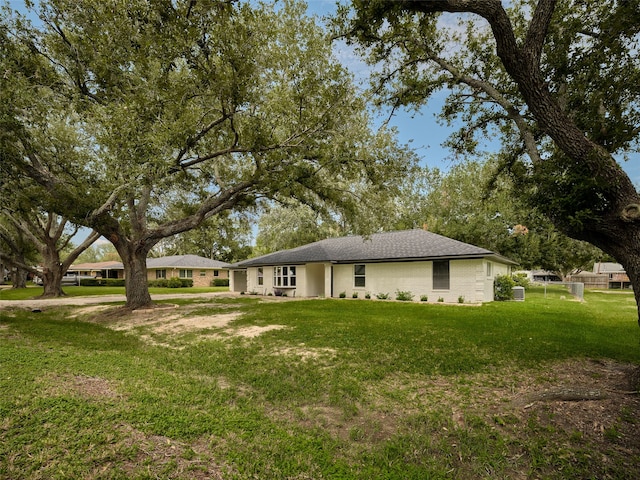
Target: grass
{"points": [[33, 291], [347, 389]]}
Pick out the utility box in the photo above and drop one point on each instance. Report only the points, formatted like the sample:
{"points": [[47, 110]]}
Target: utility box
{"points": [[518, 294]]}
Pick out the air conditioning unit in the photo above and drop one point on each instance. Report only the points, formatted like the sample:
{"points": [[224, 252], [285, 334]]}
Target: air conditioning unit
{"points": [[518, 294]]}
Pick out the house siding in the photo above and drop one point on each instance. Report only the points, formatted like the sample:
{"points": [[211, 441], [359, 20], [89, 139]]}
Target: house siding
{"points": [[470, 279], [198, 280]]}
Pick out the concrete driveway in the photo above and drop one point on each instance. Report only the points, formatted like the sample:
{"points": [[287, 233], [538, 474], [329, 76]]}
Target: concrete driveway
{"points": [[89, 300]]}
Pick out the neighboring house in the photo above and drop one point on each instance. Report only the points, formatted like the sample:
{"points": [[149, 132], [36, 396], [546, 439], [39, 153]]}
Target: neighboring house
{"points": [[99, 269], [416, 261], [82, 271], [544, 276], [614, 273], [199, 269]]}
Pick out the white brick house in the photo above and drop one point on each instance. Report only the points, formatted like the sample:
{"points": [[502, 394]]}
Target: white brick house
{"points": [[416, 261]]}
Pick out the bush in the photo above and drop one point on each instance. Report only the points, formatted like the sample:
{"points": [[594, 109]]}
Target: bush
{"points": [[160, 283], [424, 298], [219, 282], [404, 296], [354, 295], [367, 295], [521, 280], [440, 299], [460, 299], [382, 296], [113, 282], [174, 282], [343, 295], [503, 288], [92, 282]]}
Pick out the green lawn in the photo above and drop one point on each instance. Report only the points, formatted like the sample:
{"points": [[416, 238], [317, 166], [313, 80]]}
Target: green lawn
{"points": [[321, 389], [33, 291]]}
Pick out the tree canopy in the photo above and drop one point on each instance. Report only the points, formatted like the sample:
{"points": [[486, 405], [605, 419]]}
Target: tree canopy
{"points": [[557, 82], [124, 111]]}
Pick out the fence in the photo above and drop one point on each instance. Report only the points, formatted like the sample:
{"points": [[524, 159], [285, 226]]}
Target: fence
{"points": [[575, 288]]}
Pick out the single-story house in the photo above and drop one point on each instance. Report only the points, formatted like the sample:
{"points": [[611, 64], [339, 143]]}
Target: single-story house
{"points": [[416, 261], [200, 269], [544, 276], [614, 273], [109, 269]]}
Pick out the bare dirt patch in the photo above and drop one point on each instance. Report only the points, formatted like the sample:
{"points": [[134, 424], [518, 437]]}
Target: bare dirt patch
{"points": [[94, 388], [159, 454], [307, 353], [254, 330], [172, 320]]}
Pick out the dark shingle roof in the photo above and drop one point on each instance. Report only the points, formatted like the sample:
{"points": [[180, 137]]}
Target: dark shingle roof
{"points": [[185, 261], [404, 245]]}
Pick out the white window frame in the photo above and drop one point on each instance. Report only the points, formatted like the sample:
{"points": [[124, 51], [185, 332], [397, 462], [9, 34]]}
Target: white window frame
{"points": [[161, 273], [185, 273], [260, 276], [284, 276]]}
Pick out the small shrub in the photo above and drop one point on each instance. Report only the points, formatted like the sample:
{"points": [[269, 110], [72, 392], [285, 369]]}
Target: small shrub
{"points": [[92, 282], [521, 280], [241, 293], [460, 299], [503, 288], [367, 295], [219, 282], [404, 296], [440, 299], [424, 298], [174, 282], [114, 282], [343, 295], [354, 295], [382, 296]]}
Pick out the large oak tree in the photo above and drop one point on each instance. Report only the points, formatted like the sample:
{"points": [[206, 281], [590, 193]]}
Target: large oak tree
{"points": [[557, 82], [208, 103]]}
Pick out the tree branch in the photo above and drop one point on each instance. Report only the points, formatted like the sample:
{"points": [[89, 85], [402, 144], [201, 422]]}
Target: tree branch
{"points": [[494, 94], [538, 28]]}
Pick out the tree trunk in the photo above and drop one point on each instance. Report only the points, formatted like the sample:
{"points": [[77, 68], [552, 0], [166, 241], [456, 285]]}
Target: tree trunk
{"points": [[136, 282], [19, 278], [630, 259], [52, 281]]}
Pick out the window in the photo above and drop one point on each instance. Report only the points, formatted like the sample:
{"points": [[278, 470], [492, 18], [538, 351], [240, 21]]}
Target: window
{"points": [[284, 277], [260, 276], [359, 275], [203, 273], [441, 275], [161, 274], [489, 269], [216, 273], [186, 273]]}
